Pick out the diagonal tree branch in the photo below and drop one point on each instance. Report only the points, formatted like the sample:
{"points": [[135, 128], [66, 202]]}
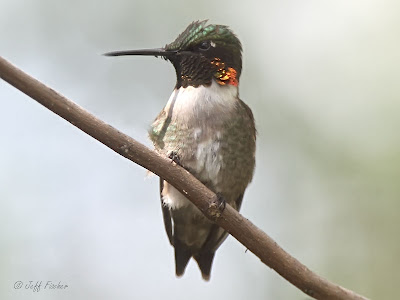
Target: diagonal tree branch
{"points": [[242, 229]]}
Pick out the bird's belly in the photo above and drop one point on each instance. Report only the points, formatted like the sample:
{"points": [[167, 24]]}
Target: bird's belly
{"points": [[203, 160], [207, 161]]}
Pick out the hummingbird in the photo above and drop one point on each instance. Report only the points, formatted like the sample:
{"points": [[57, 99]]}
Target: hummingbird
{"points": [[206, 129]]}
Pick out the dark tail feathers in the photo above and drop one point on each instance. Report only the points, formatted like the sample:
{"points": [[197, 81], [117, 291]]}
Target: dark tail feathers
{"points": [[204, 260], [182, 256]]}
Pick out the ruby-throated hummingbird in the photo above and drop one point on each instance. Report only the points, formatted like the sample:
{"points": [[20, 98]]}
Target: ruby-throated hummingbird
{"points": [[208, 130]]}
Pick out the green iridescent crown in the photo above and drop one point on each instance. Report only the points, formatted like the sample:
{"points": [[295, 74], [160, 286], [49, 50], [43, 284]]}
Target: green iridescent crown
{"points": [[198, 31]]}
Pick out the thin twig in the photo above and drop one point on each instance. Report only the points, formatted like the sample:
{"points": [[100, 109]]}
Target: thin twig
{"points": [[242, 229]]}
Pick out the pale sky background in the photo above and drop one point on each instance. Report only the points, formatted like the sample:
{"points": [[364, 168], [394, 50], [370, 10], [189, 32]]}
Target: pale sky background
{"points": [[322, 78]]}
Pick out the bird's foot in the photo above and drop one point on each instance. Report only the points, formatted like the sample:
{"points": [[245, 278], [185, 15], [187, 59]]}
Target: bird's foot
{"points": [[175, 158], [217, 207]]}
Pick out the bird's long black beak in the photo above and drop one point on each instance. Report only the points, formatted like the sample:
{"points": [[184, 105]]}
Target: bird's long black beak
{"points": [[148, 52]]}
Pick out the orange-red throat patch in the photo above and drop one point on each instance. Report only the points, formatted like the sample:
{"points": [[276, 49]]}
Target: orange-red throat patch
{"points": [[224, 75]]}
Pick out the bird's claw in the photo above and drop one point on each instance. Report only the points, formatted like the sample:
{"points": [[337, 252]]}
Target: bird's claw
{"points": [[175, 158], [217, 206]]}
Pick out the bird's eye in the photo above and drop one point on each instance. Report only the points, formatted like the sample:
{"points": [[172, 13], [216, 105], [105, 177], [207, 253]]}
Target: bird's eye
{"points": [[204, 46]]}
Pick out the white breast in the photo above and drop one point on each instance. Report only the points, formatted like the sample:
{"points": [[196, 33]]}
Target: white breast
{"points": [[195, 103]]}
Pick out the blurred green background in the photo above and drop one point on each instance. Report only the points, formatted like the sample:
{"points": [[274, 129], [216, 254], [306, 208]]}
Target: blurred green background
{"points": [[322, 79]]}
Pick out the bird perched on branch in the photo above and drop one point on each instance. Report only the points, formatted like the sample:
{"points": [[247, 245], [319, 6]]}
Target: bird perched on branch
{"points": [[206, 129]]}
